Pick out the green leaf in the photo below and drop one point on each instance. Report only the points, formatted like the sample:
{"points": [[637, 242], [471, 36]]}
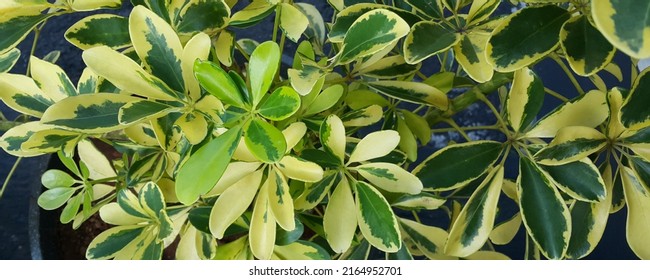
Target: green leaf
{"points": [[419, 201], [371, 33], [100, 30], [412, 92], [637, 198], [142, 110], [208, 16], [339, 222], [108, 243], [325, 100], [346, 18], [543, 210], [586, 49], [457, 165], [126, 74], [430, 8], [623, 24], [588, 221], [301, 250], [158, 46], [71, 209], [15, 25], [359, 99], [283, 237], [587, 110], [314, 193], [54, 198], [570, 144], [481, 9], [192, 181], [427, 39], [263, 66], [217, 82], [264, 141], [470, 53], [634, 115], [281, 104], [525, 99], [525, 37], [579, 179], [418, 125], [8, 60], [199, 217], [473, 225], [88, 113], [55, 178], [428, 239], [376, 219]]}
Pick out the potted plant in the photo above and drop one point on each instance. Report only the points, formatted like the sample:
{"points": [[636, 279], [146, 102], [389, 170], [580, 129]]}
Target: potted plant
{"points": [[228, 155]]}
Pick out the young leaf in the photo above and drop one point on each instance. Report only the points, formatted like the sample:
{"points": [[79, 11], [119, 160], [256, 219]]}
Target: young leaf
{"points": [[100, 30], [264, 141], [505, 232], [197, 48], [225, 46], [525, 99], [371, 33], [543, 210], [619, 22], [192, 181], [457, 165], [586, 49], [376, 219], [525, 37], [475, 222], [217, 82], [281, 104], [54, 198], [481, 9], [263, 65], [427, 39]]}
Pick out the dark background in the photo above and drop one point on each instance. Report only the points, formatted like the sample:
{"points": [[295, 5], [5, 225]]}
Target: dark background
{"points": [[15, 204]]}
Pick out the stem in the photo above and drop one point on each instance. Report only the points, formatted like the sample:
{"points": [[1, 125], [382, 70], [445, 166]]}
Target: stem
{"points": [[483, 127], [455, 126], [276, 23], [37, 34], [241, 50], [6, 125], [468, 98], [555, 94], [103, 180], [11, 174], [568, 73], [496, 113]]}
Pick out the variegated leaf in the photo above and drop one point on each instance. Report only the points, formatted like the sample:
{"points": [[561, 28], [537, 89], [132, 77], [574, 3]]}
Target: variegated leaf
{"points": [[525, 99], [376, 219], [412, 92], [571, 143], [427, 39], [262, 229], [390, 177], [619, 22], [233, 202], [100, 30], [586, 49]]}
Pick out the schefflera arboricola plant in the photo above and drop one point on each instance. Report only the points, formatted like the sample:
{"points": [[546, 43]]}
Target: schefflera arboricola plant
{"points": [[182, 132]]}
